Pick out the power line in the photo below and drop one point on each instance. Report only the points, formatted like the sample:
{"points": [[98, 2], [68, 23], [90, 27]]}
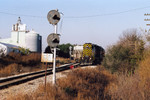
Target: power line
{"points": [[21, 15], [108, 14], [88, 16]]}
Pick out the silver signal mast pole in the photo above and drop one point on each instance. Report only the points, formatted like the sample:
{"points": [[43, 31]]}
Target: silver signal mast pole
{"points": [[53, 17], [54, 62]]}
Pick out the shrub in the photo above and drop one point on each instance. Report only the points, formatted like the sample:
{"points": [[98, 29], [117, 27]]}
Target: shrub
{"points": [[24, 51], [86, 84], [126, 54], [64, 50]]}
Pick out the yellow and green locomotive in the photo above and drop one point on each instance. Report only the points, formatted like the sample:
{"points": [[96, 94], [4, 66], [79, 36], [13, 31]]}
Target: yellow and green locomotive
{"points": [[92, 54]]}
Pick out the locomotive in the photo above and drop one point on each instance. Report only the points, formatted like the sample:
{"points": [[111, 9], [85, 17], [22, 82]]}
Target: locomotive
{"points": [[92, 54]]}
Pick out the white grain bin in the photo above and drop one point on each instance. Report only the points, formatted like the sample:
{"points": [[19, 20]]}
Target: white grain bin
{"points": [[33, 41]]}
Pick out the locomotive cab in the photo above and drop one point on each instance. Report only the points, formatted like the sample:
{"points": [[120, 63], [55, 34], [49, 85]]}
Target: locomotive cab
{"points": [[92, 54]]}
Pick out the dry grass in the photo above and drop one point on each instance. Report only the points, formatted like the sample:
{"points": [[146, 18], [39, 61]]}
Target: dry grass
{"points": [[10, 70], [126, 88], [144, 69], [135, 87], [31, 59], [97, 84], [61, 60], [81, 84], [26, 60], [92, 84], [15, 63], [144, 73]]}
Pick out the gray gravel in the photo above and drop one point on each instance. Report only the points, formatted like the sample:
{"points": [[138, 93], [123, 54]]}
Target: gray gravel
{"points": [[28, 87]]}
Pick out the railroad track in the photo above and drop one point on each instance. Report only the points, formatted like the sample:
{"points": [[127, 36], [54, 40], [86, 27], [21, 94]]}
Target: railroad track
{"points": [[14, 80]]}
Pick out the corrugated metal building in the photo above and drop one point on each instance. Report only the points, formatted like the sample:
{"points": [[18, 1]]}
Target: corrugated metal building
{"points": [[7, 48]]}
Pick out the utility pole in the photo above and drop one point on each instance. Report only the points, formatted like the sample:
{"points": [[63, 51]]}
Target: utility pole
{"points": [[147, 19], [70, 49], [147, 31]]}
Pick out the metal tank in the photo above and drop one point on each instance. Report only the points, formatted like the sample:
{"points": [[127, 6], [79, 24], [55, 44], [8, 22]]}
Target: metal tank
{"points": [[33, 41], [39, 43]]}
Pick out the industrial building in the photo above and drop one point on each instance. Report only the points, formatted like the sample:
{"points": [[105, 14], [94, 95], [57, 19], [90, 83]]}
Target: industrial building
{"points": [[21, 37], [6, 48]]}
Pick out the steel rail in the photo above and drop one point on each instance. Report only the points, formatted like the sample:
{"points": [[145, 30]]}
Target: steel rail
{"points": [[15, 80]]}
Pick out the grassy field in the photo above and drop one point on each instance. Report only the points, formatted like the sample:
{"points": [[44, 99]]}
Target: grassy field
{"points": [[84, 84], [15, 63], [95, 84]]}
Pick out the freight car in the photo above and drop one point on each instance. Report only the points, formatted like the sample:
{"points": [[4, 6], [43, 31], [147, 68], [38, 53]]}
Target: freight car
{"points": [[77, 52], [92, 54]]}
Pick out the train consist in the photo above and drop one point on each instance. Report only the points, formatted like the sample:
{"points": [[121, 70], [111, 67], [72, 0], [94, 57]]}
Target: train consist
{"points": [[91, 54]]}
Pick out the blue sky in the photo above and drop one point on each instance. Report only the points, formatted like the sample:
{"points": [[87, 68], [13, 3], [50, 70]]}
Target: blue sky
{"points": [[96, 21]]}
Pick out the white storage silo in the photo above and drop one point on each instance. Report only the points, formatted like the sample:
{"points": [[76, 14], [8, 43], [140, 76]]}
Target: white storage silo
{"points": [[32, 41]]}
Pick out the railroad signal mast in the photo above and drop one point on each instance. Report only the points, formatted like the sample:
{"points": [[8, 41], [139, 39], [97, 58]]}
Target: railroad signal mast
{"points": [[53, 17]]}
